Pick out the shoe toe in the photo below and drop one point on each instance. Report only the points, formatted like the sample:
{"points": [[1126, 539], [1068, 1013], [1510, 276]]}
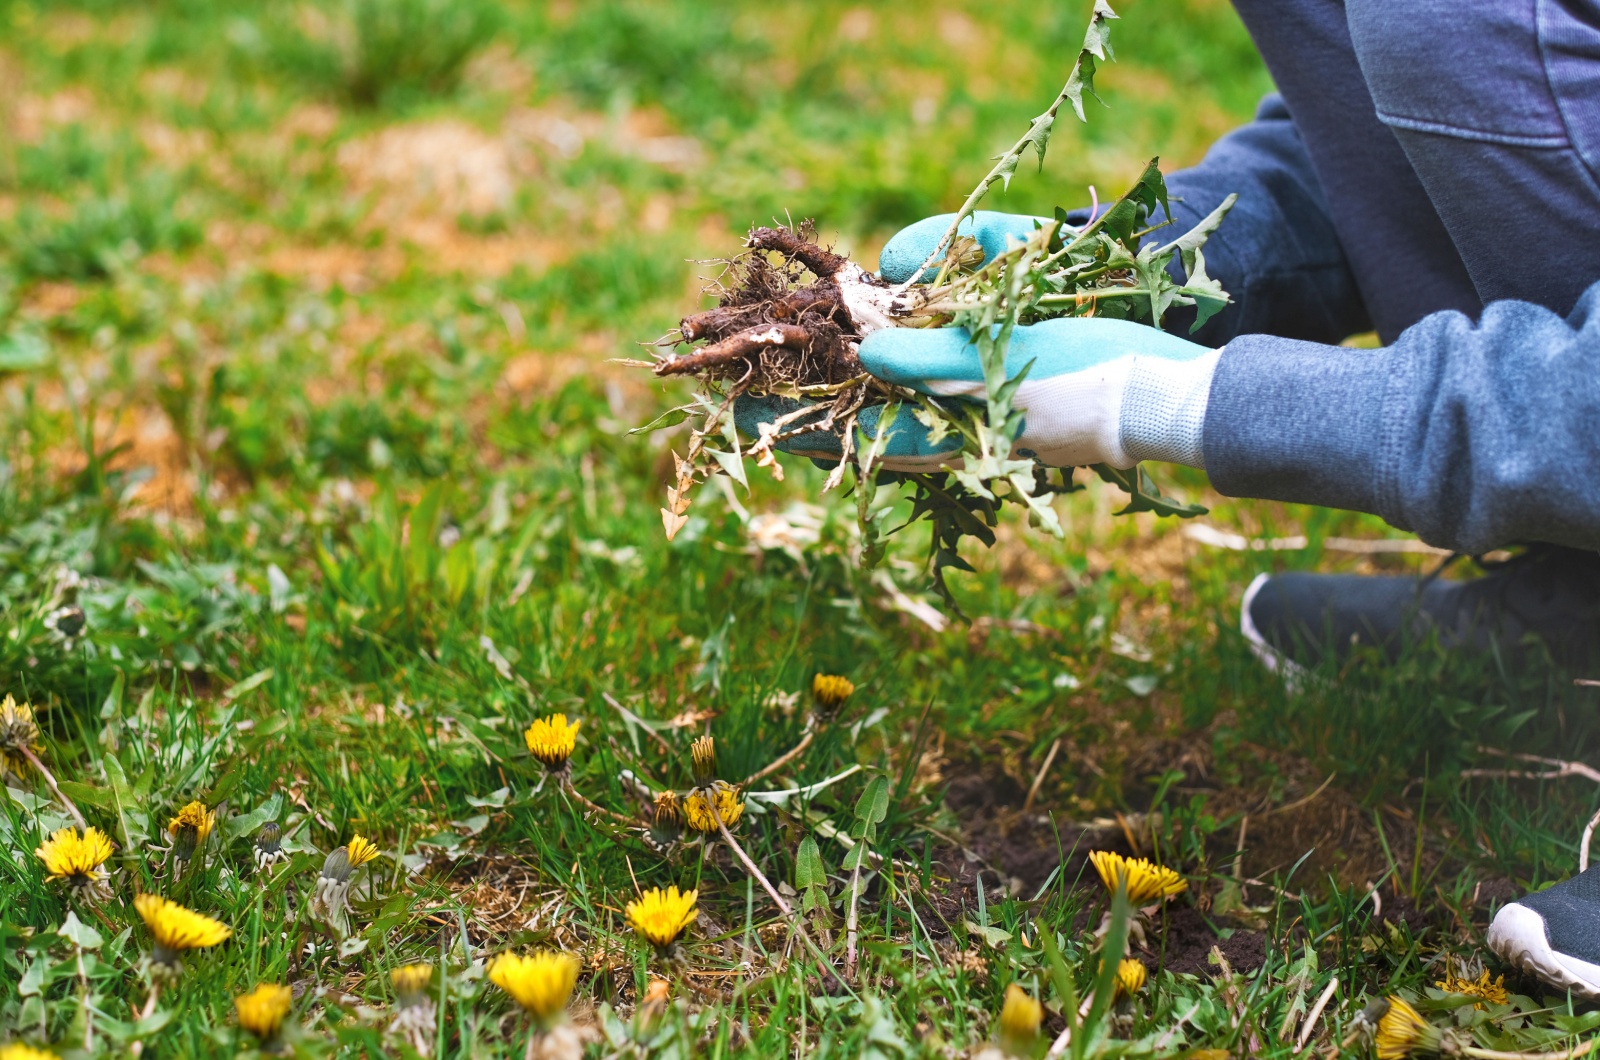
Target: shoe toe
{"points": [[1308, 618]]}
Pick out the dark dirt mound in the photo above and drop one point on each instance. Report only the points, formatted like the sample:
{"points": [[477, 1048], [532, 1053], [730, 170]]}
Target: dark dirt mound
{"points": [[1190, 937]]}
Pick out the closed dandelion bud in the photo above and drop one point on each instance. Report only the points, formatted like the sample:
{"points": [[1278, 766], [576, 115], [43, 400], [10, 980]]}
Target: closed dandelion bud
{"points": [[666, 819], [1020, 1018], [830, 692], [1131, 977], [661, 917], [541, 983], [552, 740], [1403, 1033], [269, 845], [19, 733], [262, 1012], [703, 758]]}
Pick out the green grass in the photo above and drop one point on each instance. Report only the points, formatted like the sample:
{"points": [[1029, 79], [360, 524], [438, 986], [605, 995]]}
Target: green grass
{"points": [[332, 458]]}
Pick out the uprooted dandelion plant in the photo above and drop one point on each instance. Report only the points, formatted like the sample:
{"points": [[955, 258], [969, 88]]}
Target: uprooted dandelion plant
{"points": [[790, 315]]}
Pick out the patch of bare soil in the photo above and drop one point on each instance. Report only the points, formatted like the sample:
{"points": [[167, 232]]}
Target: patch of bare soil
{"points": [[1185, 948]]}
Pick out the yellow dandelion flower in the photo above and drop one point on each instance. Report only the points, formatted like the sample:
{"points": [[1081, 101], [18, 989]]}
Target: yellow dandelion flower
{"points": [[360, 851], [1146, 881], [1131, 977], [830, 691], [660, 917], [552, 740], [176, 928], [74, 858], [1493, 992], [263, 1010], [1020, 1017], [18, 1051], [540, 983], [190, 828], [411, 979], [697, 807], [1403, 1033], [18, 732]]}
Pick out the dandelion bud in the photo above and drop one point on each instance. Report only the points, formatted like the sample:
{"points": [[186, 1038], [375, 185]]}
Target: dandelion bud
{"points": [[269, 846], [830, 691], [19, 733], [666, 819], [189, 830], [262, 1012], [703, 756], [1020, 1018], [1131, 977], [1403, 1033]]}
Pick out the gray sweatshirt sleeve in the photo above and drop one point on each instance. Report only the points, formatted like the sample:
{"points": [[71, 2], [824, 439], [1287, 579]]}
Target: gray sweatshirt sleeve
{"points": [[1473, 435]]}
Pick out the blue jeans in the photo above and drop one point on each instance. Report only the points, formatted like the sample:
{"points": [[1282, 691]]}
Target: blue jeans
{"points": [[1429, 171]]}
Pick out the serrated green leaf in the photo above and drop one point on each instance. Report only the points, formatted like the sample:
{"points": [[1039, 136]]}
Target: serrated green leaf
{"points": [[873, 805]]}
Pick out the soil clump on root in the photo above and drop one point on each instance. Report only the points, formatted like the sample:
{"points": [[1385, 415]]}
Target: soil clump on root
{"points": [[783, 323]]}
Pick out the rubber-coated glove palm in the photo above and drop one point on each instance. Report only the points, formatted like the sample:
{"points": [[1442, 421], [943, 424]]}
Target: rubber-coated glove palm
{"points": [[911, 246]]}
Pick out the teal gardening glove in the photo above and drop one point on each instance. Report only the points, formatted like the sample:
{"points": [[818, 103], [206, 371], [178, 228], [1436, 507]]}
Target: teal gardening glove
{"points": [[1097, 392]]}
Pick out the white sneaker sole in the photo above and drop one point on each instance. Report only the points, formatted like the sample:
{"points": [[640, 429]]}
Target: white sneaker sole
{"points": [[1294, 675], [1518, 936]]}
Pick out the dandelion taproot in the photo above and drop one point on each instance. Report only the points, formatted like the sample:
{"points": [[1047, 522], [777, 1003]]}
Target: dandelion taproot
{"points": [[78, 860], [552, 740], [830, 692], [1494, 992], [540, 983], [1020, 1017], [1403, 1033], [1146, 882], [176, 928], [263, 1010], [661, 917], [19, 736], [1131, 977]]}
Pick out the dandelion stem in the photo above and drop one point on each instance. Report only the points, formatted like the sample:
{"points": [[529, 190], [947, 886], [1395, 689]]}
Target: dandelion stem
{"points": [[789, 756], [594, 807], [1494, 1054], [766, 884], [49, 779]]}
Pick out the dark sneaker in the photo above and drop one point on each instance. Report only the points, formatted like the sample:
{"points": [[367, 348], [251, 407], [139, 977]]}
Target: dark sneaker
{"points": [[1555, 934], [1298, 620]]}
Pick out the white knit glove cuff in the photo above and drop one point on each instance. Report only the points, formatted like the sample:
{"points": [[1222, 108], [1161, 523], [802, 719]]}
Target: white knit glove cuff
{"points": [[1164, 409]]}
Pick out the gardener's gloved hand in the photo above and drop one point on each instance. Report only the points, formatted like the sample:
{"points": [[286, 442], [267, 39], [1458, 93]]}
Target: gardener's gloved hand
{"points": [[1097, 392], [911, 245]]}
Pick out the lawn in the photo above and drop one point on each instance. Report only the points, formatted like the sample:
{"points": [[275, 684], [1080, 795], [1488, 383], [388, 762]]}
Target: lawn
{"points": [[316, 491]]}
